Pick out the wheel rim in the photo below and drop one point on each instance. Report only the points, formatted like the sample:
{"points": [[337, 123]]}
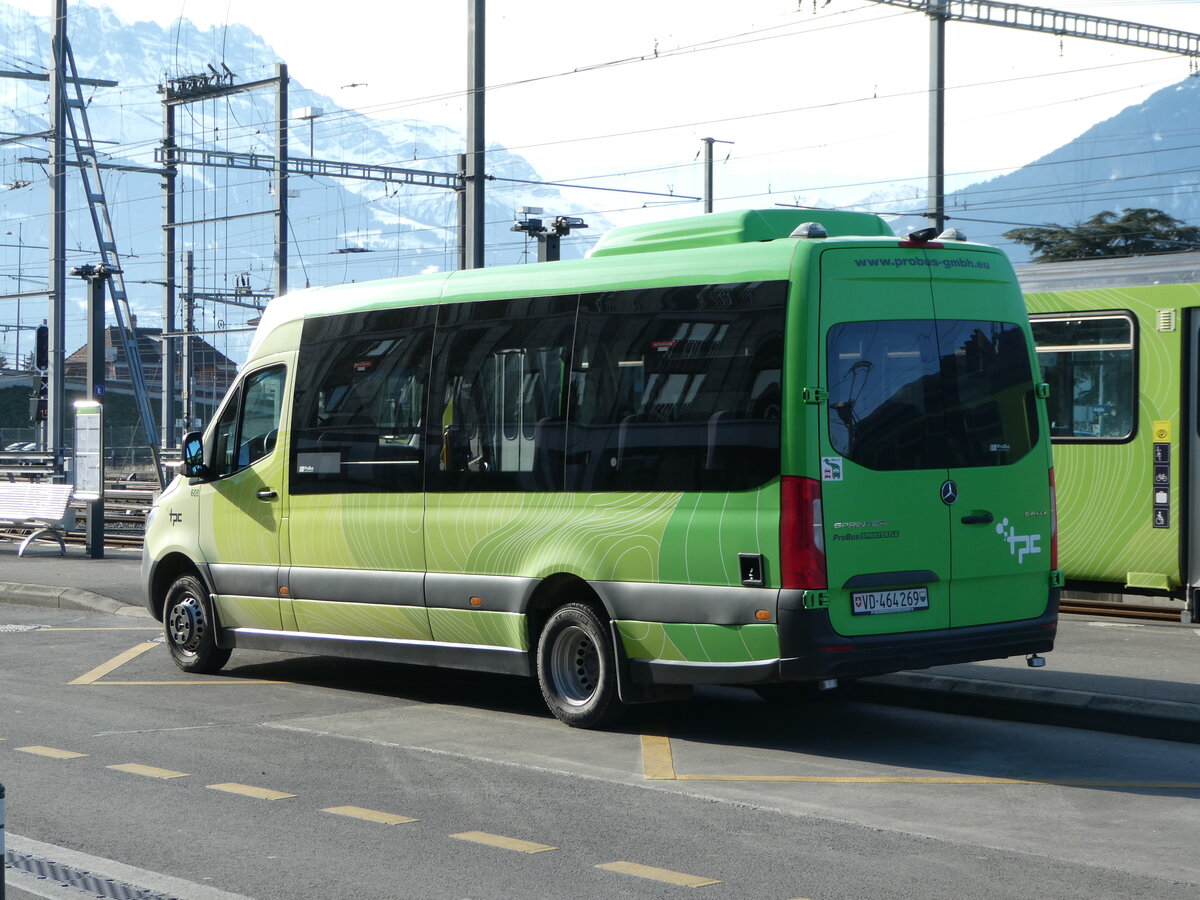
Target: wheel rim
{"points": [[575, 666], [186, 625]]}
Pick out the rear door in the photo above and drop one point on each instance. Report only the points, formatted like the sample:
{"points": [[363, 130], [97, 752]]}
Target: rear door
{"points": [[887, 530], [1001, 524]]}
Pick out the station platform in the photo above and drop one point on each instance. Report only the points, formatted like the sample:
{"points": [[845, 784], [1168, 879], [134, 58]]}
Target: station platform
{"points": [[1106, 674]]}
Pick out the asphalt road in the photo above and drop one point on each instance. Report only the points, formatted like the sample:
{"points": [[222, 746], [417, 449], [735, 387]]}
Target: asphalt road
{"points": [[296, 777]]}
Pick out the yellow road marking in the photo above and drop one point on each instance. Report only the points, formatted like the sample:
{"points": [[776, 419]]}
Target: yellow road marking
{"points": [[52, 752], [371, 815], [249, 790], [504, 843], [658, 764], [941, 779], [115, 663], [680, 878], [94, 628], [148, 771], [205, 683]]}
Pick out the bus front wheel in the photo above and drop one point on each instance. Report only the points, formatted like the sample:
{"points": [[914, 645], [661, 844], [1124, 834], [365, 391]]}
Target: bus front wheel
{"points": [[190, 627], [576, 667]]}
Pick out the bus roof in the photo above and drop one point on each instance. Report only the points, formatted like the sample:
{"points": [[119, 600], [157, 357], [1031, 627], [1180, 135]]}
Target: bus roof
{"points": [[748, 245], [739, 227]]}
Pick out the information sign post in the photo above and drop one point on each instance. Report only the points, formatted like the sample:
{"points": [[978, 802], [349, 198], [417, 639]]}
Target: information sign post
{"points": [[89, 470]]}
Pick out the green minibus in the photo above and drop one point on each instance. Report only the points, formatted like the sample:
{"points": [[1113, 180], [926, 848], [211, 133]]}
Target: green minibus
{"points": [[764, 448]]}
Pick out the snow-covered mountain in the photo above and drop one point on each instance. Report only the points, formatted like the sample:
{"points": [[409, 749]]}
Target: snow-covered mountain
{"points": [[1143, 157], [340, 229]]}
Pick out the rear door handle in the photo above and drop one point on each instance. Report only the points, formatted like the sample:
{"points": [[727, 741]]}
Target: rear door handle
{"points": [[267, 495], [978, 519]]}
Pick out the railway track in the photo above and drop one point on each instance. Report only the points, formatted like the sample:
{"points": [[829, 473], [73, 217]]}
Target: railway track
{"points": [[1121, 610]]}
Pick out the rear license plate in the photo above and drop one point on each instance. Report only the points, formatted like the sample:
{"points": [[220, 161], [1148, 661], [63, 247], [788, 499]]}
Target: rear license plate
{"points": [[867, 603]]}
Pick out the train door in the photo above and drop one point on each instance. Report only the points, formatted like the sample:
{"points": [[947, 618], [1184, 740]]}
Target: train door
{"points": [[1189, 444]]}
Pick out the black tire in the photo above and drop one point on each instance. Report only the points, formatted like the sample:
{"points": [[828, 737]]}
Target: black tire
{"points": [[190, 627], [576, 667]]}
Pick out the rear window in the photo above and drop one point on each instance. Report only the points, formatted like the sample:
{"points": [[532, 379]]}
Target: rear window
{"points": [[930, 394]]}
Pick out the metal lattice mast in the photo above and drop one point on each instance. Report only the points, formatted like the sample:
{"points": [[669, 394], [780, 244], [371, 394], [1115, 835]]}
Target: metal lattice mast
{"points": [[1054, 21], [85, 155], [1025, 18]]}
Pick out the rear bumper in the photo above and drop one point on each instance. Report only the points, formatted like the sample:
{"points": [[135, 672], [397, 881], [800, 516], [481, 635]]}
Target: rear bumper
{"points": [[811, 649]]}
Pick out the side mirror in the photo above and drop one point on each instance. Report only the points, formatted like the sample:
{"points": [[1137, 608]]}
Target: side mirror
{"points": [[193, 456]]}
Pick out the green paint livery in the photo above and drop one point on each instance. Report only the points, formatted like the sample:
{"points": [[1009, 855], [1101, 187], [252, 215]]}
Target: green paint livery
{"points": [[480, 627], [1106, 532], [699, 643]]}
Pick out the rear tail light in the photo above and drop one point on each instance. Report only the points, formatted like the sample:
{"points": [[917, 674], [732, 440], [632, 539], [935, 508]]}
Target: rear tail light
{"points": [[1053, 522], [801, 534]]}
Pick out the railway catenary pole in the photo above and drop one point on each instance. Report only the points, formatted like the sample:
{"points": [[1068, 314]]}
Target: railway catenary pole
{"points": [[708, 171], [473, 173], [1025, 18], [281, 180], [170, 345], [56, 317], [937, 114]]}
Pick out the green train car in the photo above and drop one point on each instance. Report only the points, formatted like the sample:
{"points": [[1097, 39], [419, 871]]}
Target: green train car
{"points": [[1119, 345], [743, 448]]}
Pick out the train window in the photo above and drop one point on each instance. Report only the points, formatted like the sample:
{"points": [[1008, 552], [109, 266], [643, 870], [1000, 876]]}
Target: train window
{"points": [[1090, 364]]}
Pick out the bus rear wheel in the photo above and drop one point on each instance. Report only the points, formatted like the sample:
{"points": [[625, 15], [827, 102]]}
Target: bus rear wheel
{"points": [[190, 627], [576, 667]]}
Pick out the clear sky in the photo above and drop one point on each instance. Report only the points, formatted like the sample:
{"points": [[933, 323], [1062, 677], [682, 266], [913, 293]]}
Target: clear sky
{"points": [[813, 94]]}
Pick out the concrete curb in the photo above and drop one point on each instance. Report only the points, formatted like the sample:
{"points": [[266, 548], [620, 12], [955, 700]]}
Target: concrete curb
{"points": [[1168, 720], [67, 598]]}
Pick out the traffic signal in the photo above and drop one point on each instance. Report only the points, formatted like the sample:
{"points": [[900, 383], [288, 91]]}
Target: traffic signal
{"points": [[37, 400], [41, 353]]}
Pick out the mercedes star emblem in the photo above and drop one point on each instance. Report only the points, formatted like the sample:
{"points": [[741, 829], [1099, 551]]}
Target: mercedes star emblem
{"points": [[949, 493]]}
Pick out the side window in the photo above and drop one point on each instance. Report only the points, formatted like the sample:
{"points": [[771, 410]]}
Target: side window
{"points": [[1090, 364], [224, 453], [359, 418], [248, 427], [677, 389], [499, 393]]}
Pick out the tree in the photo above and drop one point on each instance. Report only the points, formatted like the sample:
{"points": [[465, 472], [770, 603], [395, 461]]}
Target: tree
{"points": [[1135, 232]]}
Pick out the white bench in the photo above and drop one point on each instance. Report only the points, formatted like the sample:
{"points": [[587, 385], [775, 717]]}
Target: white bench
{"points": [[46, 508]]}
